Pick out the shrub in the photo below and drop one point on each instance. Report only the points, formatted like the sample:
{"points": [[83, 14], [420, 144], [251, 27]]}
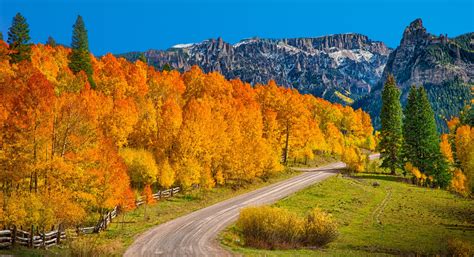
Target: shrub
{"points": [[354, 159], [267, 227], [270, 227], [320, 229], [460, 248]]}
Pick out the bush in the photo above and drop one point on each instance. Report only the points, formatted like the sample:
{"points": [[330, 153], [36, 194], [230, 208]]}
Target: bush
{"points": [[267, 227], [320, 229], [270, 227], [460, 248], [354, 159]]}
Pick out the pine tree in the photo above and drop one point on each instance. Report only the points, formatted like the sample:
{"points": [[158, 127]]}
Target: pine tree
{"points": [[410, 128], [467, 116], [80, 59], [167, 67], [142, 58], [421, 147], [18, 39], [1, 36], [391, 132], [51, 41]]}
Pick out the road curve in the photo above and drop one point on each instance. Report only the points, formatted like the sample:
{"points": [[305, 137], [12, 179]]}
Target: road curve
{"points": [[195, 234]]}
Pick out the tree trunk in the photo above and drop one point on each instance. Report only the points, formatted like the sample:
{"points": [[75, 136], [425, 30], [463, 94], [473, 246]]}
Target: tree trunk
{"points": [[285, 157], [392, 170]]}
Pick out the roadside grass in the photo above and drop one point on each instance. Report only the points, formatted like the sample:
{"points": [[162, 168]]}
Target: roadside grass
{"points": [[393, 218], [123, 230]]}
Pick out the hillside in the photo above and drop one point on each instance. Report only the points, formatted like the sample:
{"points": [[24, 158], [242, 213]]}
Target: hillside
{"points": [[392, 219], [340, 67], [443, 65]]}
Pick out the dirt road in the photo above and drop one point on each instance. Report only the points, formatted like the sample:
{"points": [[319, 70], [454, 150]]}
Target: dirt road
{"points": [[195, 234]]}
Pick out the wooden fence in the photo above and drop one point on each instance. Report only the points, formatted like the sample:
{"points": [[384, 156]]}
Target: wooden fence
{"points": [[107, 218], [33, 238], [36, 239]]}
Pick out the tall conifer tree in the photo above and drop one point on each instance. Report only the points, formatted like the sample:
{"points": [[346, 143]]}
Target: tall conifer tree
{"points": [[51, 41], [421, 139], [142, 58], [19, 39], [391, 119], [410, 128], [80, 59]]}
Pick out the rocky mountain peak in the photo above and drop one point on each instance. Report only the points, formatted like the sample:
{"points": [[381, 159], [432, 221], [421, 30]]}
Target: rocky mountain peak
{"points": [[444, 66], [339, 67], [414, 33]]}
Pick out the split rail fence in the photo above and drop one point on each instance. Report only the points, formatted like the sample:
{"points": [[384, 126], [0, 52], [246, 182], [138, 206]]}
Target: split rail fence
{"points": [[15, 236], [41, 239]]}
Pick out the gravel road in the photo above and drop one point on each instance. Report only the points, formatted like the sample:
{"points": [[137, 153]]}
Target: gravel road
{"points": [[195, 234]]}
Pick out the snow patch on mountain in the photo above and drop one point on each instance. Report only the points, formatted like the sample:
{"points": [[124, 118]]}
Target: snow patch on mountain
{"points": [[357, 55], [183, 45], [244, 42]]}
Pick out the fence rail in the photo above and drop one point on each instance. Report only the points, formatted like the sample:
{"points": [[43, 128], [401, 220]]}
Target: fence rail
{"points": [[13, 236], [107, 218], [34, 238]]}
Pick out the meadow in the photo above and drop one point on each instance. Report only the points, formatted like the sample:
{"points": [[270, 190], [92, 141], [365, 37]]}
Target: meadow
{"points": [[393, 218]]}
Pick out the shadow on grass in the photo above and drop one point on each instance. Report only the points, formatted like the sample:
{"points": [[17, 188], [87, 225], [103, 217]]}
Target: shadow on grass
{"points": [[381, 177]]}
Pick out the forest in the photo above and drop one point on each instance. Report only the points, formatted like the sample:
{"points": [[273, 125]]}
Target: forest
{"points": [[81, 135], [409, 141]]}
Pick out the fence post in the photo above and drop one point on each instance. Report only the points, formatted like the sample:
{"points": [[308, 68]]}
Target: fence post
{"points": [[44, 239], [32, 230], [159, 195], [58, 235], [105, 221], [171, 192], [14, 235]]}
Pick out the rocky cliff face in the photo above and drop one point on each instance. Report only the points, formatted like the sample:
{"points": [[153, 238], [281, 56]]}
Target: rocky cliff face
{"points": [[342, 67], [444, 66], [423, 58], [339, 67]]}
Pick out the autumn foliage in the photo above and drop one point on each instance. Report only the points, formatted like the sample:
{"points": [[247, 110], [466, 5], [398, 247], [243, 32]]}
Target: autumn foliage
{"points": [[273, 228], [68, 151], [458, 149]]}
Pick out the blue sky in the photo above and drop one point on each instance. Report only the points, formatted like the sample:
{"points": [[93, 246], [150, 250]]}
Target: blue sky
{"points": [[121, 26]]}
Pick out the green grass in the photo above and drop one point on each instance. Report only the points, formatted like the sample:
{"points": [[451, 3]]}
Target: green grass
{"points": [[317, 161], [394, 218], [119, 236]]}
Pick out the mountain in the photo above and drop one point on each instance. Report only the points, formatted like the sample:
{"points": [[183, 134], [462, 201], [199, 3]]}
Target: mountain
{"points": [[340, 68], [443, 65], [346, 68]]}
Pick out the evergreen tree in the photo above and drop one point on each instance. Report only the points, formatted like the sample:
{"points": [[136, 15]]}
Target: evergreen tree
{"points": [[467, 116], [167, 67], [19, 39], [51, 42], [1, 36], [80, 59], [391, 119], [421, 139], [142, 58], [410, 127]]}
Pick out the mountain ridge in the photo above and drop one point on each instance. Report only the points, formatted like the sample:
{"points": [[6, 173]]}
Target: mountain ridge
{"points": [[336, 67], [348, 68]]}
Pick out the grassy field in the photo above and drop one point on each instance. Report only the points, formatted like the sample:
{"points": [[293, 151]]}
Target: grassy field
{"points": [[115, 240], [393, 218]]}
